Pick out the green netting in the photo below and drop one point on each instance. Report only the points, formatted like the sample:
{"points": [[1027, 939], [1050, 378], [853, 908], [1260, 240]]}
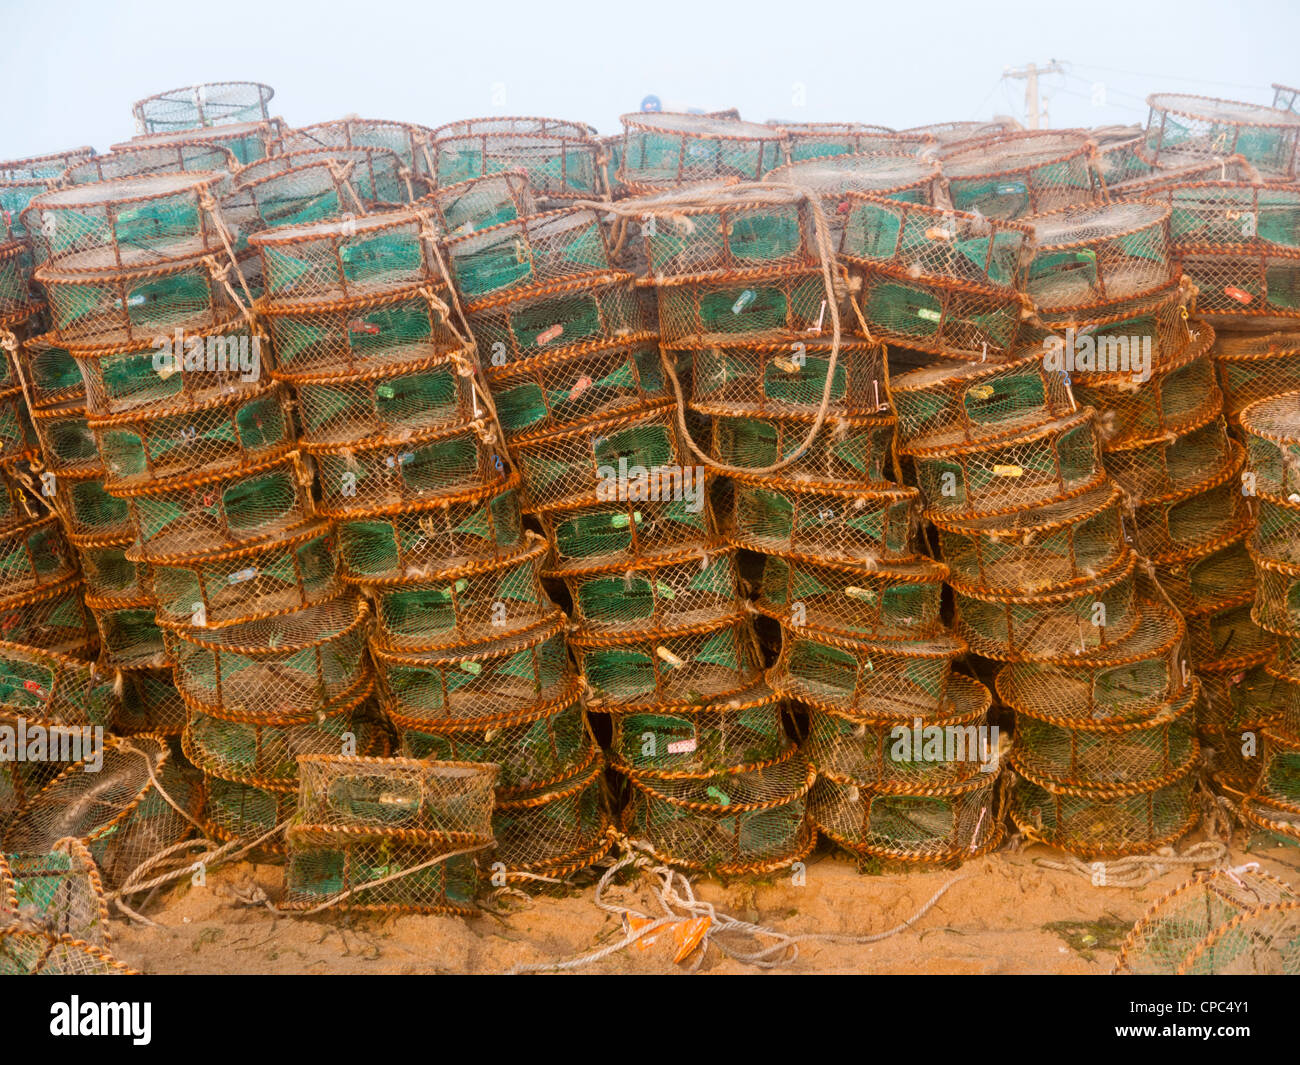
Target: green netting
{"points": [[781, 378], [846, 450], [1205, 126]]}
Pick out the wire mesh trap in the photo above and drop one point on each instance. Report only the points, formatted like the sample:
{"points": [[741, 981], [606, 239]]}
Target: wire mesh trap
{"points": [[1277, 529], [755, 307], [554, 829], [17, 440], [1022, 174], [1226, 634], [898, 175], [137, 162], [22, 179], [53, 618], [666, 150], [150, 703], [1271, 428], [814, 140], [247, 141], [238, 811], [213, 103], [18, 297], [480, 202], [1252, 367], [55, 689], [35, 555], [408, 141], [129, 636], [24, 952], [847, 449], [1168, 466], [1244, 288], [1203, 125], [1277, 595], [59, 893], [1207, 577], [561, 159], [53, 376], [1274, 802], [1193, 517]]}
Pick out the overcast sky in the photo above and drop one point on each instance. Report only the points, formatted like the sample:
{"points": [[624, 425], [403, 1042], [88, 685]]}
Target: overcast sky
{"points": [[72, 68]]}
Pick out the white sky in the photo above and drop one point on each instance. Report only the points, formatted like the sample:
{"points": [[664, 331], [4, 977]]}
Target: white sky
{"points": [[72, 68]]}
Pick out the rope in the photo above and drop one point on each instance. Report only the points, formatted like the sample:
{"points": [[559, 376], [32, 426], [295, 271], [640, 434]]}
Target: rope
{"points": [[1140, 869]]}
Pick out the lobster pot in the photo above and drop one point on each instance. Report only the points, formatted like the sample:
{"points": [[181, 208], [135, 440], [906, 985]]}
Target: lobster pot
{"points": [[1181, 169], [1264, 136], [1277, 532], [187, 516], [53, 376], [1118, 163], [1086, 256], [528, 326], [118, 812], [556, 391], [384, 401], [1226, 634], [1103, 821], [777, 379], [1039, 550], [247, 141], [1274, 802], [1047, 625], [131, 309], [1177, 398], [1233, 215], [108, 573], [1242, 288], [139, 162], [889, 601], [1055, 461], [271, 670], [1117, 338], [1208, 577], [635, 454], [129, 636], [17, 440], [682, 588], [1277, 596], [412, 541], [1147, 670], [60, 892], [54, 689], [813, 140], [128, 223], [1087, 752], [237, 811], [665, 150], [687, 664], [18, 299], [400, 327], [22, 179], [1245, 699], [757, 307], [748, 819], [403, 469], [218, 436], [896, 174], [859, 676], [24, 952], [1023, 174], [150, 704], [690, 740], [481, 202], [193, 367], [1254, 366], [1287, 662], [1220, 921], [1166, 467], [329, 261], [458, 607], [53, 618], [560, 159], [278, 576], [534, 747], [950, 403], [554, 829], [35, 555], [1192, 518], [214, 103], [20, 781], [955, 822], [845, 450], [598, 532], [488, 680], [1272, 432], [408, 141], [956, 322], [905, 752]]}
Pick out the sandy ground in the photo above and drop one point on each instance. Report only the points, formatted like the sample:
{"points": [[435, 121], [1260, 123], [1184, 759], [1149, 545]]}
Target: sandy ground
{"points": [[1009, 915]]}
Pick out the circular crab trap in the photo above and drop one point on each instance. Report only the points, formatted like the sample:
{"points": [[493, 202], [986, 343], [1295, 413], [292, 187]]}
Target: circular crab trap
{"points": [[1275, 799], [488, 680], [118, 812], [408, 141], [281, 668], [16, 437], [35, 555], [1092, 255], [560, 159], [690, 740], [150, 703], [1244, 287], [481, 202], [220, 435], [555, 829], [891, 601], [1195, 516], [1104, 821], [528, 252], [477, 603], [53, 375], [54, 618], [948, 402], [247, 141], [533, 747], [945, 823], [692, 664], [404, 469], [129, 637], [87, 510], [1272, 432], [813, 140], [1287, 662], [791, 378], [1253, 367], [898, 175], [1054, 461], [679, 588], [107, 571], [519, 327], [27, 952], [551, 392], [235, 810], [863, 676], [761, 307], [1046, 625], [1277, 595], [18, 297], [414, 541], [1095, 339], [291, 572], [1233, 216], [58, 893], [140, 162], [901, 752], [131, 309], [127, 223], [1087, 752], [21, 179], [55, 689], [1201, 125], [1167, 466], [824, 522], [747, 819], [1226, 634], [397, 328], [1023, 174], [189, 516], [332, 261], [1277, 529], [846, 450], [596, 532], [664, 150], [1207, 577], [1238, 699], [213, 103]]}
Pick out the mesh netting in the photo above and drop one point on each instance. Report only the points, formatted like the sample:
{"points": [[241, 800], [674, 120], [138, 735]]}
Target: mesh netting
{"points": [[896, 175], [212, 103], [1276, 795], [1210, 576], [1195, 516], [247, 141], [137, 162], [1180, 168], [16, 435], [756, 308], [1022, 174], [25, 952], [618, 531], [666, 150], [1253, 366], [150, 704], [53, 376], [815, 140], [408, 141], [108, 573], [235, 810], [34, 555], [17, 295], [560, 158], [556, 829], [1244, 287], [1167, 466], [478, 203], [59, 893], [1227, 633], [1287, 662], [1205, 126], [129, 633], [1233, 216], [1272, 432], [54, 618], [1277, 595], [1240, 698], [21, 179], [846, 450], [1277, 531], [743, 820], [54, 689]]}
